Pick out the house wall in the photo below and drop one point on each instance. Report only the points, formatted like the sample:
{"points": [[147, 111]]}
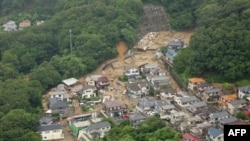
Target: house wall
{"points": [[52, 135], [63, 111], [88, 93], [102, 131]]}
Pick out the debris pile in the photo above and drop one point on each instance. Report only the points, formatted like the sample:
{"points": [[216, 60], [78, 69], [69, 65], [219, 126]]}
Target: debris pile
{"points": [[146, 41]]}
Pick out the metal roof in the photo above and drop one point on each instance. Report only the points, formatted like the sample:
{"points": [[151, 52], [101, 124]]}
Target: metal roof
{"points": [[215, 132], [98, 125], [49, 127], [189, 99], [70, 81]]}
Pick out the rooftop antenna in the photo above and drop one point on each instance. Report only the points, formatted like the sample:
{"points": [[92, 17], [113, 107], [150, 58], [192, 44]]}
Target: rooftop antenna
{"points": [[70, 41]]}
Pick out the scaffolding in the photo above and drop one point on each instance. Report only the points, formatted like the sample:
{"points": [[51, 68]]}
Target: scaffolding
{"points": [[153, 19]]}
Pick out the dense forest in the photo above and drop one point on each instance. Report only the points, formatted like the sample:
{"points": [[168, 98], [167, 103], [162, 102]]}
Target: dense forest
{"points": [[219, 49], [37, 58]]}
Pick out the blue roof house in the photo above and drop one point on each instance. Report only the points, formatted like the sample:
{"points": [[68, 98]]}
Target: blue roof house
{"points": [[170, 54], [215, 134]]}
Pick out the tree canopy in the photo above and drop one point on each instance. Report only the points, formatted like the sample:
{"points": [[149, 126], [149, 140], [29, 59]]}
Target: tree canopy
{"points": [[153, 129]]}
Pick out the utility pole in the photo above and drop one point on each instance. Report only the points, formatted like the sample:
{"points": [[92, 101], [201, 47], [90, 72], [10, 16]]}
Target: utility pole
{"points": [[70, 41]]}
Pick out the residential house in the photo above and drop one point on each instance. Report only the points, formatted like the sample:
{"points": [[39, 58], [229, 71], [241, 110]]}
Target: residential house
{"points": [[137, 118], [189, 137], [193, 120], [176, 44], [77, 126], [202, 128], [168, 93], [46, 120], [138, 89], [144, 105], [61, 87], [60, 95], [39, 22], [211, 94], [51, 132], [224, 99], [114, 108], [163, 108], [134, 78], [215, 134], [157, 72], [218, 116], [226, 121], [88, 91], [148, 67], [102, 82], [10, 26], [132, 71], [203, 86], [100, 128], [134, 91], [58, 106], [235, 106], [170, 54], [194, 82], [197, 107], [186, 101], [158, 82], [177, 116], [244, 91], [23, 24]]}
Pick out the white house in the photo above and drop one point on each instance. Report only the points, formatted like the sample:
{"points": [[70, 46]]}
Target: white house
{"points": [[51, 132], [186, 101], [132, 71], [244, 91], [10, 26], [96, 130], [88, 91], [60, 95]]}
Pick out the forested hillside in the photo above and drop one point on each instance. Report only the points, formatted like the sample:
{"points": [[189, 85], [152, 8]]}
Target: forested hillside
{"points": [[39, 57], [219, 50]]}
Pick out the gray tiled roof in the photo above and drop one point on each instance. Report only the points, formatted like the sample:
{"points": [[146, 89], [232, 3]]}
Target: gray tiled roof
{"points": [[239, 101], [189, 99], [110, 104], [49, 127], [146, 102], [199, 104], [86, 87], [54, 103], [245, 89], [228, 120], [45, 120], [137, 116], [133, 87], [162, 103], [219, 114], [98, 125], [207, 91]]}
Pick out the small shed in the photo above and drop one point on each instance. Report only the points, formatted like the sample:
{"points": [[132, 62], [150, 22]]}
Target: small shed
{"points": [[70, 81]]}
